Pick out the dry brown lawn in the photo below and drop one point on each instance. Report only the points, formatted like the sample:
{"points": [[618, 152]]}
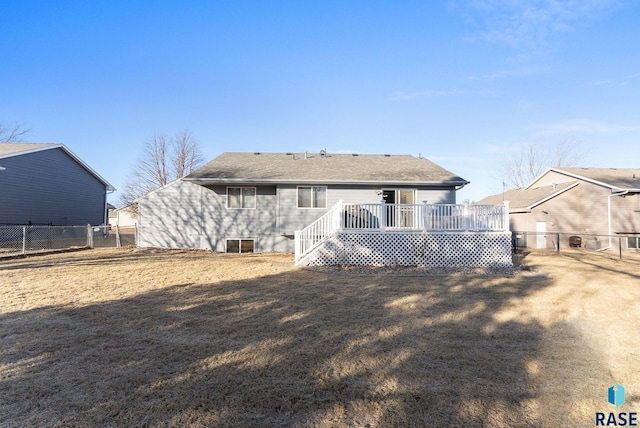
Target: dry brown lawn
{"points": [[180, 338]]}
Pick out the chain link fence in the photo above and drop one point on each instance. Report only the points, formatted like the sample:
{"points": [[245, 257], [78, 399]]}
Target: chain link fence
{"points": [[615, 245], [16, 240]]}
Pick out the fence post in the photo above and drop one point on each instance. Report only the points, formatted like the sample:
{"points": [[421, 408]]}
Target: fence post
{"points": [[89, 236], [118, 243], [24, 240], [558, 243], [620, 246]]}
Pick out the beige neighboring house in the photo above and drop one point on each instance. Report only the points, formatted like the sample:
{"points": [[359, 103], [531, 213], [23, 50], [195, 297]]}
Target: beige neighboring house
{"points": [[598, 205], [125, 217]]}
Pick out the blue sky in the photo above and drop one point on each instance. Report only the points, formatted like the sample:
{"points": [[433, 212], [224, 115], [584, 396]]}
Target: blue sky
{"points": [[464, 83]]}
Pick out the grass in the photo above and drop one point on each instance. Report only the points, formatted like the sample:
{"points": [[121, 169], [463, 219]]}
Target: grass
{"points": [[188, 338]]}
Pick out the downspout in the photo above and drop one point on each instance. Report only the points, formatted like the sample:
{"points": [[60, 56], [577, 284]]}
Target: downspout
{"points": [[609, 215]]}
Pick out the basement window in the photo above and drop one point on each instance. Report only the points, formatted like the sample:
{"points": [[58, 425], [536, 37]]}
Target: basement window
{"points": [[633, 242], [240, 245]]}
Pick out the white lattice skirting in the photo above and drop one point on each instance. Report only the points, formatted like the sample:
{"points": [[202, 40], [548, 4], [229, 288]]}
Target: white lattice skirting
{"points": [[469, 249]]}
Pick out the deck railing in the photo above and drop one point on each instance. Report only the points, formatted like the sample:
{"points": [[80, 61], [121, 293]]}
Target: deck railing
{"points": [[385, 217], [424, 217], [309, 237]]}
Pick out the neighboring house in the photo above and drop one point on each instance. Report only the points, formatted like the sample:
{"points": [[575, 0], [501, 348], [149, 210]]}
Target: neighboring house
{"points": [[126, 216], [46, 184], [592, 203], [255, 202]]}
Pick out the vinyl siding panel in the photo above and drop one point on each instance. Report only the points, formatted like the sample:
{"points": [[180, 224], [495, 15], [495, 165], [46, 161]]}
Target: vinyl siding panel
{"points": [[580, 210], [553, 177], [292, 218], [221, 223], [187, 215], [625, 214], [171, 217], [49, 187]]}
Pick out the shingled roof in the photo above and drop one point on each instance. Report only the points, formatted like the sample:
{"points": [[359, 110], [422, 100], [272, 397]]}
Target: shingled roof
{"points": [[317, 168], [616, 178], [522, 200], [10, 149]]}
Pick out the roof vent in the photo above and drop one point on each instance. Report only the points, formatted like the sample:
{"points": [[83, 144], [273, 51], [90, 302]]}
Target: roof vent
{"points": [[257, 153], [354, 154], [323, 153], [386, 155]]}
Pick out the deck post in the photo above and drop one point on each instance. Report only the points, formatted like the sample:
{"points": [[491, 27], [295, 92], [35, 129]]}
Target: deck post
{"points": [[339, 215], [466, 215], [425, 214], [383, 216]]}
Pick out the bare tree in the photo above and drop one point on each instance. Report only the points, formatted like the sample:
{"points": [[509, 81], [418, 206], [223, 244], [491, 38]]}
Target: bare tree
{"points": [[163, 160], [531, 160], [12, 134], [185, 156]]}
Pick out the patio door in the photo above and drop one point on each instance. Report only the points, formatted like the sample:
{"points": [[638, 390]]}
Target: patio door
{"points": [[401, 211]]}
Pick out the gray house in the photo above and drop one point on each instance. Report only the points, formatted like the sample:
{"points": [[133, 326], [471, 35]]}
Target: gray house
{"points": [[46, 184], [255, 202]]}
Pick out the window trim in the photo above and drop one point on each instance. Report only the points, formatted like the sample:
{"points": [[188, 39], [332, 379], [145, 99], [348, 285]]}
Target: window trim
{"points": [[255, 195], [226, 245], [637, 247], [312, 187]]}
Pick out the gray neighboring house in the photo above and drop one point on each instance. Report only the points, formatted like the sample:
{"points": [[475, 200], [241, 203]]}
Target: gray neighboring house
{"points": [[592, 203], [46, 184], [254, 202]]}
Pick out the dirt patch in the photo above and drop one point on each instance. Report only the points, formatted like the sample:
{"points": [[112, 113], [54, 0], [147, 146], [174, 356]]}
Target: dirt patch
{"points": [[140, 337]]}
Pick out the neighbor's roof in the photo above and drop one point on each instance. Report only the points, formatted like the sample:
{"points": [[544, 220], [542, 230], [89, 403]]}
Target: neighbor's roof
{"points": [[522, 200], [11, 149], [618, 179], [8, 150], [315, 168]]}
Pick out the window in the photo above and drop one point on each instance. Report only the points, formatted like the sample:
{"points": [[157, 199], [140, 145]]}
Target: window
{"points": [[312, 197], [633, 242], [241, 197], [240, 245]]}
